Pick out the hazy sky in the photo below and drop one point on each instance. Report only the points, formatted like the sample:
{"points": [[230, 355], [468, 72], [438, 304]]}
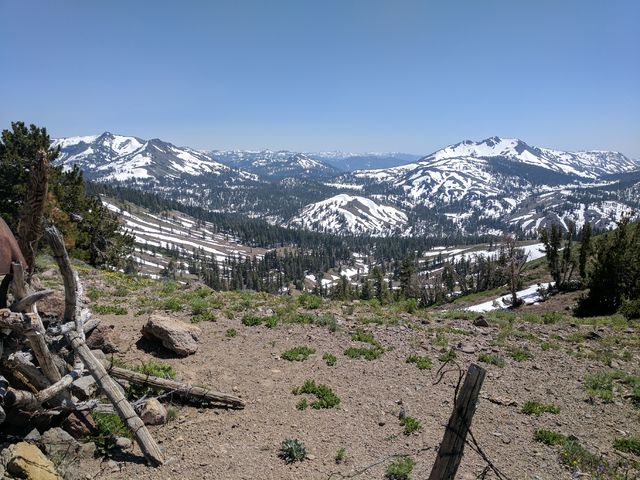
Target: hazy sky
{"points": [[361, 75]]}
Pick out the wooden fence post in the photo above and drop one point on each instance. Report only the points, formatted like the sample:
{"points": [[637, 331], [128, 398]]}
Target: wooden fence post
{"points": [[452, 445]]}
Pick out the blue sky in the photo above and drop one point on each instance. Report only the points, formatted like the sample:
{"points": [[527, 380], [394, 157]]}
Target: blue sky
{"points": [[362, 75]]}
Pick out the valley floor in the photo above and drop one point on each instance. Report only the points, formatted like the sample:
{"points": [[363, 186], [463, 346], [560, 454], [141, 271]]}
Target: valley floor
{"points": [[547, 357]]}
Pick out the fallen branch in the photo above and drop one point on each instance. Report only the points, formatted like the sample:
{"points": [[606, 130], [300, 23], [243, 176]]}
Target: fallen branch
{"points": [[179, 388]]}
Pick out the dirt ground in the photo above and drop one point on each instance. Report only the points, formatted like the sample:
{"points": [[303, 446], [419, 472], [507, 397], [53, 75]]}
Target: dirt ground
{"points": [[207, 443]]}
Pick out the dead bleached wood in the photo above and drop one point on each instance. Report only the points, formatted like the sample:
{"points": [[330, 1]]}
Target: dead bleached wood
{"points": [[178, 388], [452, 445], [20, 363], [24, 303], [147, 444], [36, 334]]}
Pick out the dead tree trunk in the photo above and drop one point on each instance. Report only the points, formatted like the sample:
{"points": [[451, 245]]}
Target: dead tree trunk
{"points": [[452, 445]]}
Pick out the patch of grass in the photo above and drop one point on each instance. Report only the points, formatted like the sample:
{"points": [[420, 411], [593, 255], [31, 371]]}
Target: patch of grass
{"points": [[271, 321], [532, 407], [550, 318], [292, 450], [108, 426], [448, 356], [362, 336], [410, 425], [172, 304], [326, 320], [310, 301], [371, 353], [550, 345], [206, 316], [109, 310], [230, 333], [440, 341], [549, 437], [628, 445], [93, 293], [302, 404], [330, 359], [172, 414], [400, 469], [199, 306], [423, 363], [154, 369], [341, 455], [520, 354], [251, 320], [600, 385], [326, 398], [491, 359], [298, 354], [168, 288]]}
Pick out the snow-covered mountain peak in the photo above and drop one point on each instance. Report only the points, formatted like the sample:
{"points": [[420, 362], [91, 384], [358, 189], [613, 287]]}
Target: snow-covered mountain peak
{"points": [[352, 214]]}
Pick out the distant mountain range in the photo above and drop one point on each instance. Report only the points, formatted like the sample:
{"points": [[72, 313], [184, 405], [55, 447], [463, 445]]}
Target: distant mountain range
{"points": [[471, 187]]}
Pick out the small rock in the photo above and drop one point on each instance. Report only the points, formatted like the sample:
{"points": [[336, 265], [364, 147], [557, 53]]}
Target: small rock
{"points": [[153, 412], [123, 443], [80, 424], [311, 457], [480, 321], [33, 436], [84, 387], [27, 461], [105, 338], [174, 335], [466, 348], [235, 389]]}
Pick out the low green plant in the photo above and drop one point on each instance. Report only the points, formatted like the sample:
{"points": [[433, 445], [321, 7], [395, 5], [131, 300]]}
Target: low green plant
{"points": [[532, 407], [297, 354], [448, 356], [371, 353], [302, 404], [251, 320], [600, 385], [93, 293], [326, 398], [199, 306], [109, 426], [172, 414], [520, 354], [362, 336], [292, 450], [206, 316], [172, 304], [628, 445], [341, 455], [330, 359], [550, 318], [230, 333], [440, 341], [154, 369], [491, 359], [410, 425], [549, 437], [109, 310], [400, 469], [271, 321], [310, 301], [423, 363]]}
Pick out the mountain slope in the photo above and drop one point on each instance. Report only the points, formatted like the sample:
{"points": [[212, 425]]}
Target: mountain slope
{"points": [[275, 165], [109, 157], [348, 214]]}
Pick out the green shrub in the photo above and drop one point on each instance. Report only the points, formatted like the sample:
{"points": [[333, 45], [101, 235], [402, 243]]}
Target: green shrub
{"points": [[628, 445], [297, 354], [341, 455], [310, 301], [600, 385], [491, 359], [109, 310], [552, 317], [271, 322], [440, 341], [251, 320], [371, 353], [93, 293], [326, 398], [630, 309], [520, 354], [448, 356], [109, 426], [423, 363], [206, 316], [172, 304], [549, 437], [199, 306], [362, 336], [154, 369], [400, 469], [410, 425], [292, 450], [326, 320], [330, 359], [302, 404], [532, 407], [230, 333]]}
